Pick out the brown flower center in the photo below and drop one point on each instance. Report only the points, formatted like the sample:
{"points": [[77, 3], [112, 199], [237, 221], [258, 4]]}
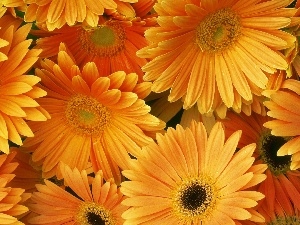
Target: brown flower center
{"points": [[87, 115], [104, 41], [90, 213], [268, 147], [194, 198], [218, 30]]}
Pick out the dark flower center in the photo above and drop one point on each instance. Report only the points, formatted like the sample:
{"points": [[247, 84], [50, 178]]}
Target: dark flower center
{"points": [[91, 213], [94, 219], [194, 197], [268, 151]]}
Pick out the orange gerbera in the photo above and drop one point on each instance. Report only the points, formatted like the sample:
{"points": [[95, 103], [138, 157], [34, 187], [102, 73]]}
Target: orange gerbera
{"points": [[11, 201], [26, 176], [100, 204], [112, 45], [278, 209], [56, 13], [284, 106], [267, 152], [204, 49], [92, 117], [17, 90], [187, 178]]}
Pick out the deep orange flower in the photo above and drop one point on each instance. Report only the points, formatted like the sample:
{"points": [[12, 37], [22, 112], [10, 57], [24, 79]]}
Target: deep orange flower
{"points": [[189, 178], [267, 152], [18, 91], [112, 45], [278, 207], [95, 118], [100, 204], [26, 175], [206, 51], [12, 199]]}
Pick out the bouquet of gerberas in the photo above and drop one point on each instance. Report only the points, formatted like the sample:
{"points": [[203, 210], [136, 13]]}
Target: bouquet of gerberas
{"points": [[149, 112]]}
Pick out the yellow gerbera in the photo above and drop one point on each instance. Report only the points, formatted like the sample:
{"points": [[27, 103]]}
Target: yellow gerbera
{"points": [[18, 91], [112, 45], [204, 49], [95, 118], [189, 178], [100, 204], [284, 107]]}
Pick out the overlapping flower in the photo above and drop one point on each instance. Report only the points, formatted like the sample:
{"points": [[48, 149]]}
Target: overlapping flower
{"points": [[149, 112]]}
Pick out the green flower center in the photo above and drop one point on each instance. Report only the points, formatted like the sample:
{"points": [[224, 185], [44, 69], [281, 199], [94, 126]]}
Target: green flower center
{"points": [[106, 40], [289, 220], [218, 30], [87, 115]]}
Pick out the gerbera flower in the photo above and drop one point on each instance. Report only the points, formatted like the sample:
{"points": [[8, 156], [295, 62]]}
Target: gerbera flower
{"points": [[266, 152], [12, 199], [112, 45], [92, 117], [188, 178], [204, 49], [55, 14], [99, 204], [278, 209], [18, 91], [284, 106]]}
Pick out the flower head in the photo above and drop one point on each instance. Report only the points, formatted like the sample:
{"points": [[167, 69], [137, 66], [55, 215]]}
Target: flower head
{"points": [[95, 118], [268, 146], [211, 51], [100, 204], [284, 107], [189, 178]]}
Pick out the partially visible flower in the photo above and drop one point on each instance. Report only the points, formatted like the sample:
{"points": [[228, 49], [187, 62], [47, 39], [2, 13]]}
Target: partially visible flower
{"points": [[93, 201], [281, 205], [284, 107], [55, 14], [279, 167], [211, 51], [111, 45], [189, 178], [12, 199], [11, 6], [95, 118], [18, 91], [26, 174]]}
